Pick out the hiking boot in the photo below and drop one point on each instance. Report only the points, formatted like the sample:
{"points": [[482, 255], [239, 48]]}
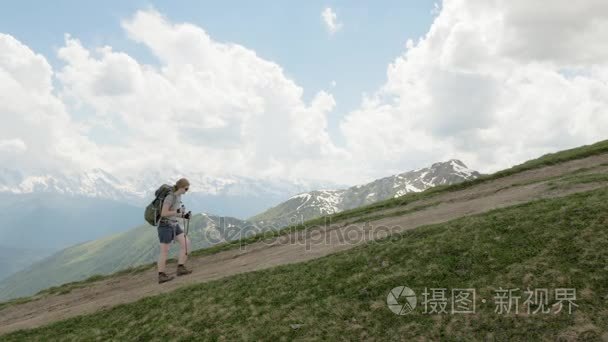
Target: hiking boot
{"points": [[163, 278], [182, 270]]}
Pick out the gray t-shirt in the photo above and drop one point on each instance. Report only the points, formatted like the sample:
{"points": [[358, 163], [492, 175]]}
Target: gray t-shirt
{"points": [[175, 201]]}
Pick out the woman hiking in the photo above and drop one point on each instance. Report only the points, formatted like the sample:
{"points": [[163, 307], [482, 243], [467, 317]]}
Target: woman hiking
{"points": [[169, 230]]}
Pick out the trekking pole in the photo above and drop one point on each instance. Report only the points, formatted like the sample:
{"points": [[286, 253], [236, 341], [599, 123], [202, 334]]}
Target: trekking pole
{"points": [[183, 218], [186, 238]]}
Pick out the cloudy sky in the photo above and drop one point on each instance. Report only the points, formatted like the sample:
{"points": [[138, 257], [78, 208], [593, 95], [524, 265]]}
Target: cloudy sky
{"points": [[338, 91]]}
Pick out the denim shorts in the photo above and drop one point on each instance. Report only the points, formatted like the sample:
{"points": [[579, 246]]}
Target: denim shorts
{"points": [[168, 231]]}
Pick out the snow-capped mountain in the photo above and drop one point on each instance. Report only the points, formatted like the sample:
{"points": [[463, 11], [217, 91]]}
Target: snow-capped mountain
{"points": [[305, 206], [94, 183], [229, 195]]}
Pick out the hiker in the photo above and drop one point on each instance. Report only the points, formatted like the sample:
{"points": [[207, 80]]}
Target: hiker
{"points": [[170, 230]]}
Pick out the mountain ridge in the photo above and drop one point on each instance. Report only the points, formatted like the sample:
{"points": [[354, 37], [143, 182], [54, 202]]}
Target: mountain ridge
{"points": [[308, 205]]}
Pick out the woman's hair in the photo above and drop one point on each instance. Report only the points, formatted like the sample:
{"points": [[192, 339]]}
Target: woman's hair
{"points": [[181, 183]]}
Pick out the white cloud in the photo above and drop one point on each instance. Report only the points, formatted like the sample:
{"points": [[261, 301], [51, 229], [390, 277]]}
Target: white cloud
{"points": [[12, 146], [560, 31], [331, 20], [484, 85], [210, 105], [487, 84], [33, 118]]}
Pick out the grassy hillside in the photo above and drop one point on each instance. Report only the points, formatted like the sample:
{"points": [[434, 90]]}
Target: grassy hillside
{"points": [[10, 264], [558, 243]]}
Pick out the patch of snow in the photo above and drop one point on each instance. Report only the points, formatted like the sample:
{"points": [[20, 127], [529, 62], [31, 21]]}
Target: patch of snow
{"points": [[412, 188], [329, 201], [400, 193], [302, 195], [306, 197], [462, 170]]}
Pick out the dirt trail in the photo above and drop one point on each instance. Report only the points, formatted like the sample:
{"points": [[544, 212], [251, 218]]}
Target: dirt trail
{"points": [[302, 245]]}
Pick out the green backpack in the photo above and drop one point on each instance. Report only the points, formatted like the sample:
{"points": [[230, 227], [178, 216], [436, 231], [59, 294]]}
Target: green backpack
{"points": [[153, 210]]}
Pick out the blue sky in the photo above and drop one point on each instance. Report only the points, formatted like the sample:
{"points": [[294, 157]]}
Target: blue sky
{"points": [[289, 33]]}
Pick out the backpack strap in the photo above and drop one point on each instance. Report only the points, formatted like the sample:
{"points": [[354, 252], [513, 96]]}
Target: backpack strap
{"points": [[163, 202]]}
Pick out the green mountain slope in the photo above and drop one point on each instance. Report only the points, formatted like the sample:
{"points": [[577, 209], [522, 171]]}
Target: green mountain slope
{"points": [[551, 244], [13, 259]]}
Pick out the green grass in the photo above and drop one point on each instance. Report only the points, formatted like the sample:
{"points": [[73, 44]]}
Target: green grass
{"points": [[576, 178], [585, 179], [543, 244]]}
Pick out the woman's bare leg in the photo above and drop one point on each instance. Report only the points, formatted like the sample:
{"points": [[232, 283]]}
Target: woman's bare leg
{"points": [[182, 248], [162, 257]]}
